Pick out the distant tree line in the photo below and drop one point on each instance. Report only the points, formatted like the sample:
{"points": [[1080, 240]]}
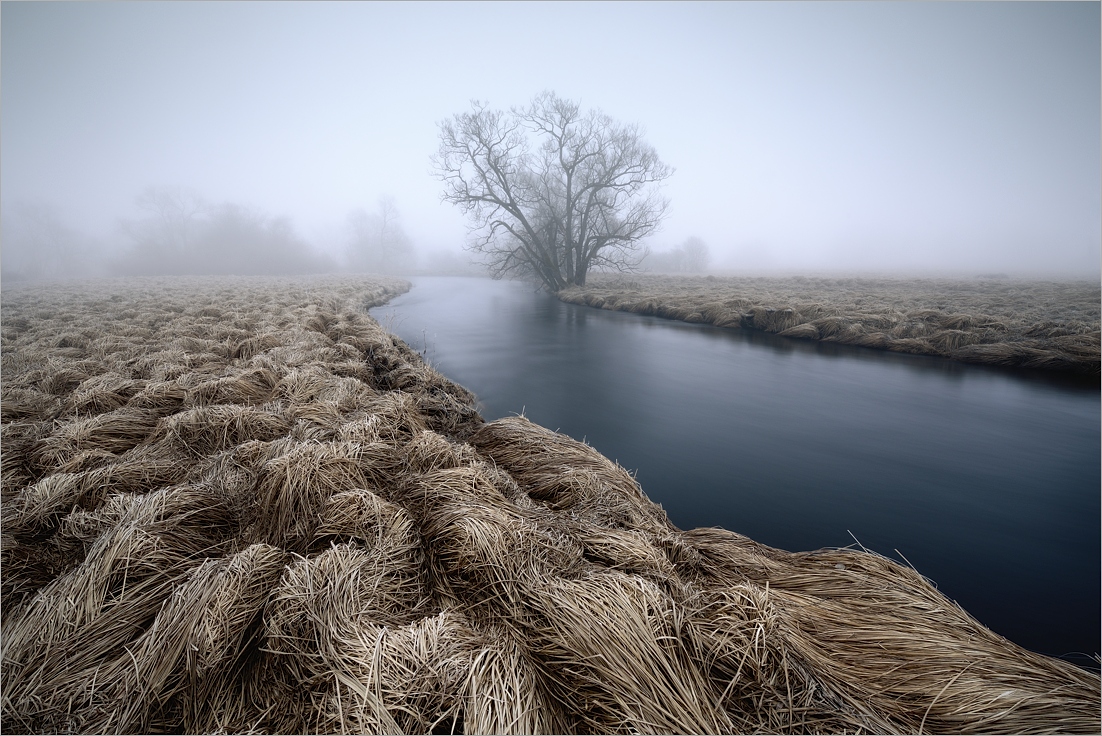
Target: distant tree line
{"points": [[692, 256], [181, 234], [178, 232]]}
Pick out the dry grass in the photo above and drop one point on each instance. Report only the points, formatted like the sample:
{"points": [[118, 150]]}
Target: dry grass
{"points": [[1035, 324], [241, 506]]}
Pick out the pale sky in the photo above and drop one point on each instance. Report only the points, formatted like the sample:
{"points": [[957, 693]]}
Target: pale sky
{"points": [[933, 136]]}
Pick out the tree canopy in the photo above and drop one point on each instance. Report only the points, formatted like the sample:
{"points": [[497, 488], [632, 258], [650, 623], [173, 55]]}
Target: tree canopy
{"points": [[552, 192]]}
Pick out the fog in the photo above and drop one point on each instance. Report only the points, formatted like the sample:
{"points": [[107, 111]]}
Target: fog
{"points": [[806, 137]]}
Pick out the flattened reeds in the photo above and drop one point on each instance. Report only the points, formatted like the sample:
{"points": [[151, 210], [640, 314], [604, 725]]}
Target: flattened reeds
{"points": [[225, 517], [503, 693], [184, 662], [614, 641], [387, 536], [249, 387], [293, 488], [114, 431], [567, 475], [205, 430], [102, 393]]}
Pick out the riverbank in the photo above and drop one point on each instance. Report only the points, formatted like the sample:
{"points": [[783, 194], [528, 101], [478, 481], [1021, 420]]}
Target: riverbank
{"points": [[1049, 325], [241, 505]]}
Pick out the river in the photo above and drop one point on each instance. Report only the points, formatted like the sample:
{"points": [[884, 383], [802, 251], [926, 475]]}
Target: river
{"points": [[985, 480]]}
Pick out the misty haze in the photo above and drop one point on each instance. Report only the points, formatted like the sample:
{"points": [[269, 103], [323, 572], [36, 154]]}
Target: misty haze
{"points": [[380, 367]]}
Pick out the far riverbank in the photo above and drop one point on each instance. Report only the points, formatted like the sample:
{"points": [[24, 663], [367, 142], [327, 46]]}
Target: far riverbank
{"points": [[1050, 325]]}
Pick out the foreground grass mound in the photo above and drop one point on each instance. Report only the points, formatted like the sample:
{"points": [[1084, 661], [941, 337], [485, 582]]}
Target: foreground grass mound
{"points": [[241, 506], [1050, 325]]}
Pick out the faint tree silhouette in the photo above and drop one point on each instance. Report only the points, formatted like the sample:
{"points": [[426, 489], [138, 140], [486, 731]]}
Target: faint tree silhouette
{"points": [[377, 242]]}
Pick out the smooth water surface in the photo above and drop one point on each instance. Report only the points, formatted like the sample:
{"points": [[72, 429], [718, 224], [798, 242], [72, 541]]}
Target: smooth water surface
{"points": [[986, 481]]}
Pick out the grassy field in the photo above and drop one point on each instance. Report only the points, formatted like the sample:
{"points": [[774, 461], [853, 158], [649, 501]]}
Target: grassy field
{"points": [[239, 505], [1037, 324]]}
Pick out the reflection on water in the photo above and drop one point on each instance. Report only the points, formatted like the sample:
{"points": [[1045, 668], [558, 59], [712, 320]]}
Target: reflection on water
{"points": [[987, 481]]}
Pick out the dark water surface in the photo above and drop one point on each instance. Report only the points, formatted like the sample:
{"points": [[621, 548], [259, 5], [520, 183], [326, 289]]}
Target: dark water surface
{"points": [[986, 481]]}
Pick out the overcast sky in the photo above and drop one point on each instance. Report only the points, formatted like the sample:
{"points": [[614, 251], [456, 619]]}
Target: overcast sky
{"points": [[806, 136]]}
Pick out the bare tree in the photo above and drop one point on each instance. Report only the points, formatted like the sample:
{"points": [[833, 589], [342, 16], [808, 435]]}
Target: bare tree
{"points": [[696, 255], [552, 192], [692, 256], [377, 242], [173, 216]]}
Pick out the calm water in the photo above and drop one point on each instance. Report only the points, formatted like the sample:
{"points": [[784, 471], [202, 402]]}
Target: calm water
{"points": [[986, 481]]}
